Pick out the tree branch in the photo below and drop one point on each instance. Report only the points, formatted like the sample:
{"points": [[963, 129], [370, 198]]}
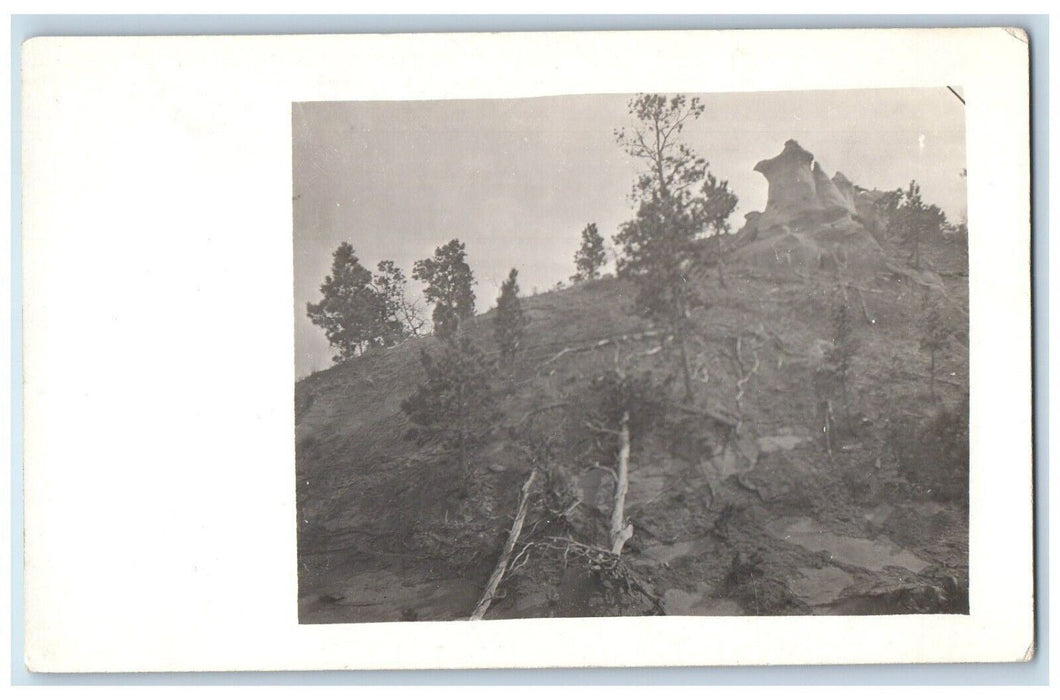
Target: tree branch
{"points": [[506, 553]]}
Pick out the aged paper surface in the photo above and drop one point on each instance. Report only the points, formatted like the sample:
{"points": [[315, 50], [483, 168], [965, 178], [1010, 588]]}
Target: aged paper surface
{"points": [[159, 363]]}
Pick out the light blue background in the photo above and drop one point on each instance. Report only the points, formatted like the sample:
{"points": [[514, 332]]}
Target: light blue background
{"points": [[1037, 26]]}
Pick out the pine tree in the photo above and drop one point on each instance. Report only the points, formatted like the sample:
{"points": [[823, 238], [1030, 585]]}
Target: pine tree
{"points": [[351, 312], [912, 221], [658, 245], [719, 203], [840, 356], [451, 404], [510, 321], [402, 315], [449, 280], [936, 332], [591, 256]]}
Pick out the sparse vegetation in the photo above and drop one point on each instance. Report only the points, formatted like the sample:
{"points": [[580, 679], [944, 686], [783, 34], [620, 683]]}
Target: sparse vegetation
{"points": [[587, 486], [840, 355], [936, 332], [452, 405], [510, 321], [403, 316], [912, 221], [354, 314], [719, 202], [449, 287], [658, 246], [591, 255]]}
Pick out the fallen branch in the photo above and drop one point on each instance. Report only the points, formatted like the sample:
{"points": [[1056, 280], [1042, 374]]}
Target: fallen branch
{"points": [[606, 564], [620, 529], [607, 470], [506, 553], [601, 343], [742, 382]]}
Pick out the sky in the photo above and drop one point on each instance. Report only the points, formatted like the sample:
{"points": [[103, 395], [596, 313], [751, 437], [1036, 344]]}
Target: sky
{"points": [[518, 179]]}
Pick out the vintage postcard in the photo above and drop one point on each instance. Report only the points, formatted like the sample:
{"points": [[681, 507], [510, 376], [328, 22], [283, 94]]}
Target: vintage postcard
{"points": [[686, 348]]}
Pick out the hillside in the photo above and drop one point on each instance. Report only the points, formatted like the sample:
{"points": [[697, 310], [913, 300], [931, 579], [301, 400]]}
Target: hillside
{"points": [[741, 502]]}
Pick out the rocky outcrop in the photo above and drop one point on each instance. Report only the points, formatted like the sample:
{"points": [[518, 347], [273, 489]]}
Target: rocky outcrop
{"points": [[867, 206], [846, 189], [828, 195], [810, 219], [792, 186]]}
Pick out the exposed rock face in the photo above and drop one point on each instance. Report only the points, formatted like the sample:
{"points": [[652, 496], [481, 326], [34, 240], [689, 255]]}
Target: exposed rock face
{"points": [[791, 182], [866, 205], [828, 195], [810, 220], [846, 188], [800, 191]]}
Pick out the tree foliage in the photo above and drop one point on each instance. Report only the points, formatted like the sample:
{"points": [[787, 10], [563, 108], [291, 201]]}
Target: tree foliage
{"points": [[449, 405], [912, 221], [350, 311], [674, 170], [449, 281], [615, 393], [658, 250], [590, 256], [402, 313], [719, 202], [676, 203], [358, 311], [510, 321]]}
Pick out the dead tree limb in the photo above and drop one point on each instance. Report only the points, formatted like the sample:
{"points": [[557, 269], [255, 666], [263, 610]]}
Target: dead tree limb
{"points": [[506, 553], [620, 529], [741, 382], [601, 343]]}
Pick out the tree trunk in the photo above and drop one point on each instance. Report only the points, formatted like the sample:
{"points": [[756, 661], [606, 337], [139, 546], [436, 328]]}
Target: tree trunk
{"points": [[686, 368], [932, 374], [721, 260], [620, 530], [506, 553]]}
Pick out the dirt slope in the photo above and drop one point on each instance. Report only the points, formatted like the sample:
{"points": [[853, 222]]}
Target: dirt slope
{"points": [[777, 518]]}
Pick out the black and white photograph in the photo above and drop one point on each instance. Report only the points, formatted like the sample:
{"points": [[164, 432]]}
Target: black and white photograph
{"points": [[649, 354], [411, 351]]}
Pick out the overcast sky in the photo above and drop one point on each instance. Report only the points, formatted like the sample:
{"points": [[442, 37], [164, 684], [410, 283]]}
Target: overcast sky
{"points": [[517, 180]]}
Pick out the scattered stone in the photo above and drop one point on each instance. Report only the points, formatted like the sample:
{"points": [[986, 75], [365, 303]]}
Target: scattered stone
{"points": [[778, 443], [874, 555], [679, 602], [822, 586]]}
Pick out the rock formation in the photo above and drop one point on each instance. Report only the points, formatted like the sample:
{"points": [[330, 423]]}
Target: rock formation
{"points": [[792, 186], [810, 220]]}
